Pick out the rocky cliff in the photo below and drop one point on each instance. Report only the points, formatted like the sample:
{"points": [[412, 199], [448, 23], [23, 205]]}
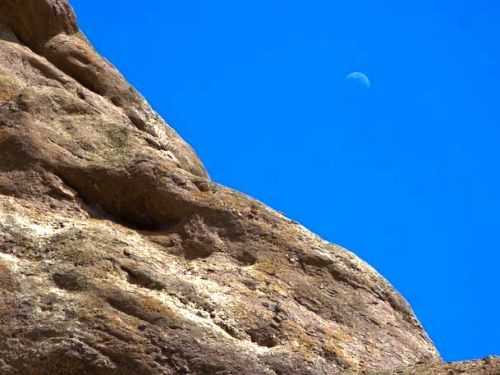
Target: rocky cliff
{"points": [[118, 255]]}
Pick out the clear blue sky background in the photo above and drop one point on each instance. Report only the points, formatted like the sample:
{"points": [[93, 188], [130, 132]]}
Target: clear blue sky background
{"points": [[405, 173]]}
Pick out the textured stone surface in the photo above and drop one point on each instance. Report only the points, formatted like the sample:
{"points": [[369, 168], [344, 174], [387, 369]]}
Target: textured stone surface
{"points": [[487, 366], [118, 255]]}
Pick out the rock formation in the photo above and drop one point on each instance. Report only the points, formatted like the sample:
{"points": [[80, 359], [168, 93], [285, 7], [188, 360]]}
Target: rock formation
{"points": [[487, 366], [119, 256]]}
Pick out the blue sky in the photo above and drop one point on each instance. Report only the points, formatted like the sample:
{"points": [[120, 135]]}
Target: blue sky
{"points": [[405, 173]]}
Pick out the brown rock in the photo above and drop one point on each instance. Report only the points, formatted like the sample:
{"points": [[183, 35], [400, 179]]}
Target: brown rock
{"points": [[487, 366], [119, 256]]}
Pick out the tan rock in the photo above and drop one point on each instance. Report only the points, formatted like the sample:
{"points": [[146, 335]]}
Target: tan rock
{"points": [[487, 366], [119, 256]]}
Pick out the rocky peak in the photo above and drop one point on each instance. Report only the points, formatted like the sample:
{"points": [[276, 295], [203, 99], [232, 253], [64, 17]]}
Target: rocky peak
{"points": [[118, 255]]}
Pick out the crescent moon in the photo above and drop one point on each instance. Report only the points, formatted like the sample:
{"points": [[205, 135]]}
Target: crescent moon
{"points": [[361, 78]]}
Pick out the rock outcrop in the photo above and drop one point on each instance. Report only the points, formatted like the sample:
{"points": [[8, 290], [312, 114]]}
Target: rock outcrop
{"points": [[487, 366], [118, 255]]}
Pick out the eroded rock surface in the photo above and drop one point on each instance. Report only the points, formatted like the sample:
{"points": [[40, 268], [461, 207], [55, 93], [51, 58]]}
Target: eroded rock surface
{"points": [[487, 366], [119, 256]]}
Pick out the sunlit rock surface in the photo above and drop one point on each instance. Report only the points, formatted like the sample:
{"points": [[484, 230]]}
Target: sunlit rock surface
{"points": [[487, 366], [119, 256]]}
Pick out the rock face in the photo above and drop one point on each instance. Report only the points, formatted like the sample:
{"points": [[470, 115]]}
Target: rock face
{"points": [[487, 366], [118, 255]]}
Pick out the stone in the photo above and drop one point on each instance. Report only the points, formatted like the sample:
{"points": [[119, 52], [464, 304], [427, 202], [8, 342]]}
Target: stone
{"points": [[486, 366], [118, 254]]}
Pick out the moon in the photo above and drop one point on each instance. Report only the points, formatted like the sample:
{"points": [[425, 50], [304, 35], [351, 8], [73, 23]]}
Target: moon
{"points": [[360, 78]]}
